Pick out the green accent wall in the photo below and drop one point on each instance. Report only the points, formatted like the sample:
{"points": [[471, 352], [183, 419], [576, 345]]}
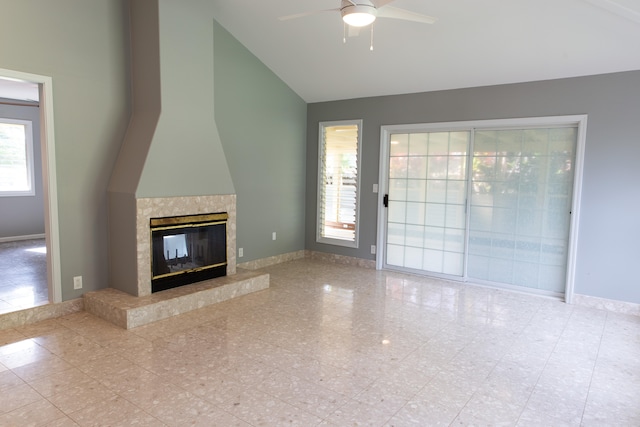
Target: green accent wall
{"points": [[185, 157], [262, 125]]}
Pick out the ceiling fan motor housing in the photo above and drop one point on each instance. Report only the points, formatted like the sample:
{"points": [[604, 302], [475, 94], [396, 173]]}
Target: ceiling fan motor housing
{"points": [[361, 8]]}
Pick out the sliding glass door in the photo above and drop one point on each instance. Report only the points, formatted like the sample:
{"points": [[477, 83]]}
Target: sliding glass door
{"points": [[427, 197], [487, 204], [520, 206]]}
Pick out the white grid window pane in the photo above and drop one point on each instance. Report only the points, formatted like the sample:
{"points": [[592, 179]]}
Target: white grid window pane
{"points": [[456, 192], [395, 255], [398, 189], [399, 145], [433, 260], [417, 167], [437, 190], [415, 213], [416, 190], [434, 237], [414, 236], [435, 214], [397, 211], [395, 233], [413, 258], [453, 263], [418, 144]]}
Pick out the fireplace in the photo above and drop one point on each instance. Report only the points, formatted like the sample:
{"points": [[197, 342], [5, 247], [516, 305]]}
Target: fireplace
{"points": [[164, 34], [131, 253], [187, 249]]}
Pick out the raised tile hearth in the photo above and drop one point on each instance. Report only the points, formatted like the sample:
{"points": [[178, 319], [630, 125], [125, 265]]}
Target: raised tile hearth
{"points": [[128, 311]]}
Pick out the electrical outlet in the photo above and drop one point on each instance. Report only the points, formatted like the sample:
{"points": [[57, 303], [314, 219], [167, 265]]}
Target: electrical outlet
{"points": [[77, 282], [375, 188], [373, 249], [240, 252], [273, 236]]}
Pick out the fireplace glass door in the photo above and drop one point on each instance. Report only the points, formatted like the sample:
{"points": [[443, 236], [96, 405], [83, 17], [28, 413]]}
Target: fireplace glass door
{"points": [[187, 250]]}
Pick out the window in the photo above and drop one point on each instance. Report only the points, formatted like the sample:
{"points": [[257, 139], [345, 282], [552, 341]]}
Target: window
{"points": [[16, 158], [339, 182]]}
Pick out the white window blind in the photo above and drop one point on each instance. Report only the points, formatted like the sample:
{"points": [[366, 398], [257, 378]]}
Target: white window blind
{"points": [[338, 182]]}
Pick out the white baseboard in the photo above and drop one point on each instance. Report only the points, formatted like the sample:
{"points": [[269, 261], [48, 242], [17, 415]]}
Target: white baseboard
{"points": [[18, 238]]}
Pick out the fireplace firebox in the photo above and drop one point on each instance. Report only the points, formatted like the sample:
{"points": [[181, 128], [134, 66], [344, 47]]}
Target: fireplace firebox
{"points": [[187, 249]]}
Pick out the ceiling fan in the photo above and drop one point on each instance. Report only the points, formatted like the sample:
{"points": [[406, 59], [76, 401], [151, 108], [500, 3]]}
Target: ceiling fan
{"points": [[360, 13]]}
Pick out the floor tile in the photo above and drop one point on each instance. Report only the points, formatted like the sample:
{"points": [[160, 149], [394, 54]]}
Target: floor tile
{"points": [[17, 397], [332, 345], [417, 413], [106, 412], [38, 413]]}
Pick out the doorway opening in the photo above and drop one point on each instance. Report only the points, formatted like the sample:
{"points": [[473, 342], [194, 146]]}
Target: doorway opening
{"points": [[49, 189]]}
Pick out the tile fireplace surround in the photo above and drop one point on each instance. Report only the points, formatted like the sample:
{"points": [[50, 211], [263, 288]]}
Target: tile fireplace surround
{"points": [[130, 311], [159, 207]]}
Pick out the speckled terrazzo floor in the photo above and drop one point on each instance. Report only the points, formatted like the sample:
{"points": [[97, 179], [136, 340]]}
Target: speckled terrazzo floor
{"points": [[23, 278], [332, 345]]}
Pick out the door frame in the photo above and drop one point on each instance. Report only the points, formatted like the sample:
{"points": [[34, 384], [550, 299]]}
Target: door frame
{"points": [[579, 120], [50, 190]]}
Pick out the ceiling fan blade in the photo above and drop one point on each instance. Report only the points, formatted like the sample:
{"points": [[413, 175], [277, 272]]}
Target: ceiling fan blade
{"points": [[379, 3], [618, 9], [406, 15], [302, 15]]}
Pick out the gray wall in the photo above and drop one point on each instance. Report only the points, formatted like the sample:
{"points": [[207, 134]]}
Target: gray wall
{"points": [[608, 249], [24, 215], [83, 46], [262, 125]]}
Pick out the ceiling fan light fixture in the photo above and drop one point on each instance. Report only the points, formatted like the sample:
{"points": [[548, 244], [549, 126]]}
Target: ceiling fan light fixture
{"points": [[358, 15]]}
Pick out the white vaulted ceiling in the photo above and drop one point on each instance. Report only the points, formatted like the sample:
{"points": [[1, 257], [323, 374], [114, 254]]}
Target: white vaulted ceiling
{"points": [[473, 43]]}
